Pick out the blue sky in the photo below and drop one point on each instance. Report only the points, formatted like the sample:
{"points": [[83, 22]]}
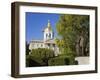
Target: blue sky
{"points": [[36, 22]]}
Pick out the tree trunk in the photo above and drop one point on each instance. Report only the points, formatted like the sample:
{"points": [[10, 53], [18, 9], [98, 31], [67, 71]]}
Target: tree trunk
{"points": [[81, 46]]}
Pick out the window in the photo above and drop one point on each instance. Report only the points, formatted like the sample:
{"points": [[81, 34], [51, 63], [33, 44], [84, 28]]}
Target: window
{"points": [[48, 45], [41, 45], [37, 45], [53, 45], [32, 45], [46, 35], [49, 35]]}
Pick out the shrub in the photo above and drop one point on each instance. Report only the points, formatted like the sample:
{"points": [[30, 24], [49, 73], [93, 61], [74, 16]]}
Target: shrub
{"points": [[56, 61], [45, 57], [42, 53], [27, 60], [61, 60], [34, 61], [76, 62], [39, 57]]}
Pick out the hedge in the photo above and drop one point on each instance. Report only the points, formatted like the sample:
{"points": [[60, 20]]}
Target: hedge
{"points": [[61, 60], [39, 57], [32, 61]]}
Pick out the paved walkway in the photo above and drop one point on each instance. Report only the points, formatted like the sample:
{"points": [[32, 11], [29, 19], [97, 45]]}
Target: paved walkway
{"points": [[82, 60]]}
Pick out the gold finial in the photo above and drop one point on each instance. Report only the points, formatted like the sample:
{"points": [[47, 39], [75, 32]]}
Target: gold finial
{"points": [[49, 23]]}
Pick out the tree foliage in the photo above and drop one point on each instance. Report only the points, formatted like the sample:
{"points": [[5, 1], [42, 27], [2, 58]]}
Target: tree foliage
{"points": [[46, 57], [61, 60], [40, 56], [73, 31], [27, 49]]}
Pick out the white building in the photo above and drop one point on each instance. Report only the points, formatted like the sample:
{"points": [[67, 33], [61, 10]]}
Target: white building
{"points": [[47, 42]]}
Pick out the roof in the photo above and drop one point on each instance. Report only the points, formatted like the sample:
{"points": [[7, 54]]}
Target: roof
{"points": [[50, 41], [48, 28], [42, 41], [39, 41]]}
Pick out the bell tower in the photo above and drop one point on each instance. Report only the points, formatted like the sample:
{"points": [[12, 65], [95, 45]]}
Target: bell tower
{"points": [[48, 32]]}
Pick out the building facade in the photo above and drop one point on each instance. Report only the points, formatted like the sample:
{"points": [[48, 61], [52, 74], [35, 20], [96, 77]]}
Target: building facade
{"points": [[47, 42]]}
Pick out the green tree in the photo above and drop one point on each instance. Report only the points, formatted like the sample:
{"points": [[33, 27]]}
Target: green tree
{"points": [[73, 31], [40, 56], [27, 49]]}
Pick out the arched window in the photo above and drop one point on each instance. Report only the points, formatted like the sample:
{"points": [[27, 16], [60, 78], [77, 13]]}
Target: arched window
{"points": [[41, 45], [46, 35], [49, 35]]}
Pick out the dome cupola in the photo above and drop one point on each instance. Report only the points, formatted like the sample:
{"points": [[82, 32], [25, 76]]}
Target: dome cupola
{"points": [[48, 32]]}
